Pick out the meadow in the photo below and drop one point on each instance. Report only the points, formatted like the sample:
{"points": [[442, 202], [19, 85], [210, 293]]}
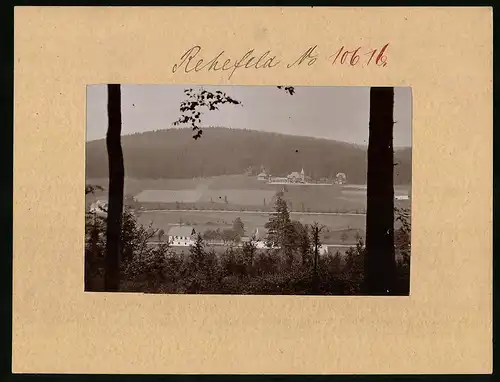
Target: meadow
{"points": [[134, 186], [222, 199], [335, 225]]}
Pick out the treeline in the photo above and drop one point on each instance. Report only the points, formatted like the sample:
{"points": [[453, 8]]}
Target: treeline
{"points": [[233, 234], [172, 153], [290, 264], [268, 208], [242, 270]]}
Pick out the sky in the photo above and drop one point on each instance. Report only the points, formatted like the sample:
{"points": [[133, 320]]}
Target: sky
{"points": [[337, 113]]}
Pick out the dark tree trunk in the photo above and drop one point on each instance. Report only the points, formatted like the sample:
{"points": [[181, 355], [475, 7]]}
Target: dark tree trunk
{"points": [[380, 262], [115, 193]]}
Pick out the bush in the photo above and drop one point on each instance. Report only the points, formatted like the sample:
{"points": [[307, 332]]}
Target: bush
{"points": [[239, 270]]}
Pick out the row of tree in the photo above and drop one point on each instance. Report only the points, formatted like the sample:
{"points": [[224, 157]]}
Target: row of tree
{"points": [[290, 264], [234, 234], [316, 206]]}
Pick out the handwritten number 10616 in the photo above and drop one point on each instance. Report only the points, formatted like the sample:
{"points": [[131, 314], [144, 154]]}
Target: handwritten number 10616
{"points": [[353, 57]]}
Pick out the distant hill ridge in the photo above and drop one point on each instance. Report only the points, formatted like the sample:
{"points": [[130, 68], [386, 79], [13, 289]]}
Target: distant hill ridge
{"points": [[173, 153]]}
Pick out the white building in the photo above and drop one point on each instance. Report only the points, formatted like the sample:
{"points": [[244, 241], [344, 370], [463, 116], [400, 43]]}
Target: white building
{"points": [[181, 236], [279, 180], [263, 176], [341, 178], [99, 207], [296, 177], [402, 197], [323, 249]]}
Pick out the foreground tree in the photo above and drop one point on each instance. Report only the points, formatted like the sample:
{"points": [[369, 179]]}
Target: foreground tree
{"points": [[197, 251], [281, 230], [402, 244], [316, 229], [239, 227], [353, 270], [230, 236], [380, 263], [304, 244], [249, 249], [95, 243], [116, 184]]}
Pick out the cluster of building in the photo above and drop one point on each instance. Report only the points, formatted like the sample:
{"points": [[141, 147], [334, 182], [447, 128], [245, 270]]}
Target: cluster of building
{"points": [[294, 177], [185, 236], [297, 177], [181, 236]]}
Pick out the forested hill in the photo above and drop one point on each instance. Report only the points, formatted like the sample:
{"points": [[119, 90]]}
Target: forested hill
{"points": [[173, 153]]}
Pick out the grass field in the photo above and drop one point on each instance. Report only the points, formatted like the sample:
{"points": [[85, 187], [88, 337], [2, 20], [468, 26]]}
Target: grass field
{"points": [[213, 187], [213, 220], [135, 186], [248, 193]]}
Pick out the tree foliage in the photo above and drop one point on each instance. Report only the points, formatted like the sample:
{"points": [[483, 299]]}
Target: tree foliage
{"points": [[402, 242], [138, 258], [289, 89], [91, 188], [279, 226], [197, 100], [249, 251], [243, 269], [227, 236], [95, 245], [304, 244], [239, 227]]}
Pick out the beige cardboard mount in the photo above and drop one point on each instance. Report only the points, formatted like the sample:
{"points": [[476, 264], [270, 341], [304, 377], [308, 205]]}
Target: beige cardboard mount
{"points": [[444, 54]]}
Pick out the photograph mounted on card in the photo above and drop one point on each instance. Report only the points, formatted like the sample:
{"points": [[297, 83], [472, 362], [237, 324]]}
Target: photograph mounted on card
{"points": [[248, 190]]}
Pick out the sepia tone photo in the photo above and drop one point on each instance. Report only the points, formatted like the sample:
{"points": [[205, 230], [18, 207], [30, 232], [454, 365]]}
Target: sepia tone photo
{"points": [[264, 190]]}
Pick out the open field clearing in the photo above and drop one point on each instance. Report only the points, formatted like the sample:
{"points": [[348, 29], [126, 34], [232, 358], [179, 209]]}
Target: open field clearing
{"points": [[242, 194], [165, 220], [233, 182], [134, 186]]}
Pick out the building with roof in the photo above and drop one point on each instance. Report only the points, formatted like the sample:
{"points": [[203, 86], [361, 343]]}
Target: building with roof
{"points": [[279, 180], [99, 207], [296, 177], [263, 176], [181, 236], [341, 178]]}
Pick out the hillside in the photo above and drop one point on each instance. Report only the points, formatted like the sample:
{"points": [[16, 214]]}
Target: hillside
{"points": [[173, 153]]}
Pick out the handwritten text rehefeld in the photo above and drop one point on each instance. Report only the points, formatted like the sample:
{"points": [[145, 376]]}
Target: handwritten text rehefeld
{"points": [[192, 61]]}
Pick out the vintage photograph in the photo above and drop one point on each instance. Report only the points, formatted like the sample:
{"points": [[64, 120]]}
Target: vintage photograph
{"points": [[237, 190]]}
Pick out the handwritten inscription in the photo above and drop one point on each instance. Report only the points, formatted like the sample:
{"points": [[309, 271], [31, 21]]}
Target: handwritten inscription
{"points": [[191, 60], [344, 56], [309, 55]]}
